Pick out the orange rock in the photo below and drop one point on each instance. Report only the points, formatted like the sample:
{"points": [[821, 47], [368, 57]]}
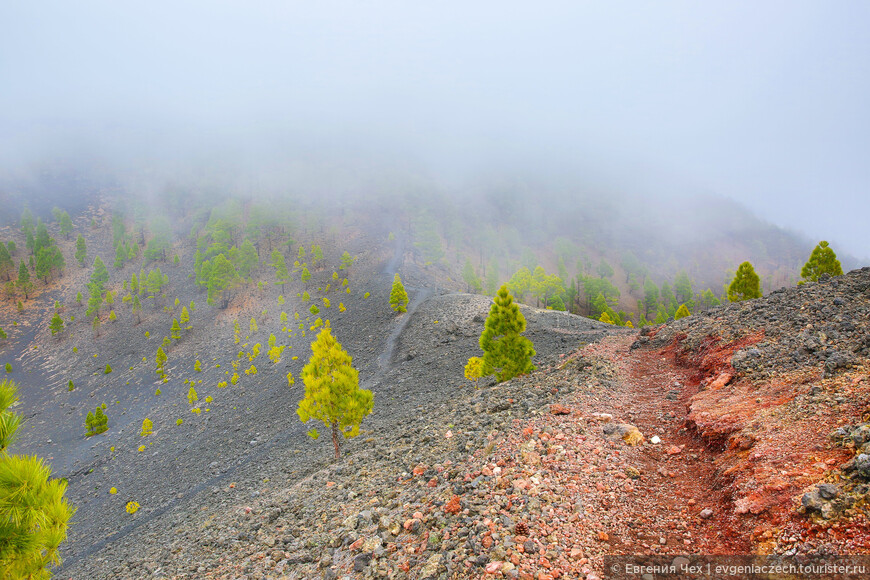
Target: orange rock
{"points": [[557, 409], [603, 536], [452, 506], [722, 380], [486, 542]]}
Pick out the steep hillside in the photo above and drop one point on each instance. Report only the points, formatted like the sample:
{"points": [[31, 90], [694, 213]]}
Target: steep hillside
{"points": [[545, 474], [696, 437]]}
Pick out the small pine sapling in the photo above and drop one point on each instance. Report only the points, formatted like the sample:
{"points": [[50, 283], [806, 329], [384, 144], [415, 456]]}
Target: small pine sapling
{"points": [[90, 423], [398, 295], [56, 324], [147, 427], [474, 369], [192, 396], [161, 360]]}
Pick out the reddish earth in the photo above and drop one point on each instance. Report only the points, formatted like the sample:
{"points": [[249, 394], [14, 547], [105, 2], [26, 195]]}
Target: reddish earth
{"points": [[740, 453]]}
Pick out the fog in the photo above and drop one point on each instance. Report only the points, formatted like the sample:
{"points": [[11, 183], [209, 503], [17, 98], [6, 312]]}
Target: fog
{"points": [[764, 103]]}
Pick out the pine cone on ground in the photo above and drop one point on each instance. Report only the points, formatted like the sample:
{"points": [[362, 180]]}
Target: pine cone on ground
{"points": [[521, 529]]}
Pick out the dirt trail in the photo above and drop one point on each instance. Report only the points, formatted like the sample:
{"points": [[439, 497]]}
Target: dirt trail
{"points": [[653, 393]]}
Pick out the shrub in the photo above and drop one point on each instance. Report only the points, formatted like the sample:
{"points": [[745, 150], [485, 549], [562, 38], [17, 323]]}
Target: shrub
{"points": [[70, 386], [133, 507], [8, 367], [108, 370], [197, 366], [179, 421], [147, 427]]}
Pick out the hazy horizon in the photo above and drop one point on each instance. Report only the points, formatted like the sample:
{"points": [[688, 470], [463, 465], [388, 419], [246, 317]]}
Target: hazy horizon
{"points": [[764, 104]]}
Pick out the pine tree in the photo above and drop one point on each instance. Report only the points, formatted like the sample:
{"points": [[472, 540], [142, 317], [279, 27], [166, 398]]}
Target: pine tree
{"points": [[746, 284], [822, 260], [147, 427], [280, 265], [682, 312], [505, 353], [332, 393], [91, 424], [161, 359], [192, 396], [56, 324], [398, 296], [306, 275], [220, 275], [112, 316], [7, 265], [65, 223], [175, 331], [474, 369], [24, 283], [120, 256], [101, 421], [101, 274], [605, 317], [137, 308], [3, 335], [346, 261], [185, 315]]}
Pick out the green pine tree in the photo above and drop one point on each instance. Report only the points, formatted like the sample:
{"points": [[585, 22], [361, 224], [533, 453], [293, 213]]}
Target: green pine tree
{"points": [[56, 324], [161, 359], [175, 331], [34, 512], [505, 353], [682, 312], [7, 264], [137, 308], [746, 284], [120, 256], [24, 284], [332, 393], [398, 296], [822, 260]]}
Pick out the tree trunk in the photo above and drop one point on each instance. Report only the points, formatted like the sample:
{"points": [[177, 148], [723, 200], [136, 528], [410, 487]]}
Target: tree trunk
{"points": [[335, 440]]}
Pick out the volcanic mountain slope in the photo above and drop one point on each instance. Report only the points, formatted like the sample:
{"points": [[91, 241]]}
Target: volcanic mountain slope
{"points": [[413, 362], [661, 442], [541, 475]]}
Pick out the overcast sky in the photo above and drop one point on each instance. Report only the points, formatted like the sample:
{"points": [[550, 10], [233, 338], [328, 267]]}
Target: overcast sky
{"points": [[764, 102]]}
